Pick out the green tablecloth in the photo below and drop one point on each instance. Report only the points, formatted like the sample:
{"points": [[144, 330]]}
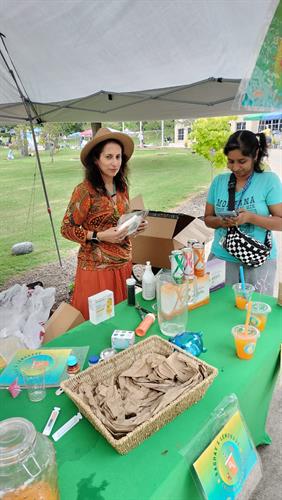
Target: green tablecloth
{"points": [[89, 468]]}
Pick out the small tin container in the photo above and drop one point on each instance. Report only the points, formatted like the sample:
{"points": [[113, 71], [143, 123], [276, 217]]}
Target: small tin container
{"points": [[177, 265], [199, 259], [107, 353], [72, 365], [188, 263]]}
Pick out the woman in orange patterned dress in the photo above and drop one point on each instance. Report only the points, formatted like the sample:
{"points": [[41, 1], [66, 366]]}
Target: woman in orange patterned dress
{"points": [[104, 257]]}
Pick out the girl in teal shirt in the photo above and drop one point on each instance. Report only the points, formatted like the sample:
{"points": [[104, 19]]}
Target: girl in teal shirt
{"points": [[259, 206]]}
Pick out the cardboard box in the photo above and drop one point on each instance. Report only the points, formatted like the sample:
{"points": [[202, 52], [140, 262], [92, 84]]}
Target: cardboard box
{"points": [[166, 231], [200, 295], [101, 306], [122, 339], [216, 268], [63, 319]]}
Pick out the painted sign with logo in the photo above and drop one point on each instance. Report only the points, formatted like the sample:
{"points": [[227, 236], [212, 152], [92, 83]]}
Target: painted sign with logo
{"points": [[226, 463]]}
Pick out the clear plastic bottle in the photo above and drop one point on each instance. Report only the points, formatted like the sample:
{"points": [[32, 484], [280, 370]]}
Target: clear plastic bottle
{"points": [[148, 283], [27, 462]]}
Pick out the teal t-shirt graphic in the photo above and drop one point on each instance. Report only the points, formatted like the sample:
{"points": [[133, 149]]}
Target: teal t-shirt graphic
{"points": [[264, 190]]}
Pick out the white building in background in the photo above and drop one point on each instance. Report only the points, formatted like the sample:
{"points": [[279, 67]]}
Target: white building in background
{"points": [[255, 123], [242, 124], [181, 130]]}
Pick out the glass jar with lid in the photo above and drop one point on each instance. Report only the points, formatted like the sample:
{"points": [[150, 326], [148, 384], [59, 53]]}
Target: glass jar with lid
{"points": [[172, 303], [27, 462]]}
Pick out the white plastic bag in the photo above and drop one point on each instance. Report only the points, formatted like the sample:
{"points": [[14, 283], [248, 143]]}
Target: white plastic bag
{"points": [[22, 313]]}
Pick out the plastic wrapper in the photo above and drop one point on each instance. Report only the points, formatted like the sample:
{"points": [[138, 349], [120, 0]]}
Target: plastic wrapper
{"points": [[132, 220]]}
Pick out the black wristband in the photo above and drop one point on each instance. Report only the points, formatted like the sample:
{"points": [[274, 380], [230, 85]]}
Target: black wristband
{"points": [[94, 238]]}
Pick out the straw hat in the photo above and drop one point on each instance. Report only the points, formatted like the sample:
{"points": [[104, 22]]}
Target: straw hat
{"points": [[104, 134]]}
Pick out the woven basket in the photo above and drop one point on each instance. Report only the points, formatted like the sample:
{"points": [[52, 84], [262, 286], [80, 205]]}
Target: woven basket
{"points": [[122, 361]]}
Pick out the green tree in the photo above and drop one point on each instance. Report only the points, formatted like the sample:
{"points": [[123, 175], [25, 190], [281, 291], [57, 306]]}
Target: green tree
{"points": [[70, 128], [50, 136], [51, 133], [21, 138], [209, 136]]}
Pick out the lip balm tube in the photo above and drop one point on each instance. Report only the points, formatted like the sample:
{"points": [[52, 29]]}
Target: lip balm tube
{"points": [[51, 421], [144, 326]]}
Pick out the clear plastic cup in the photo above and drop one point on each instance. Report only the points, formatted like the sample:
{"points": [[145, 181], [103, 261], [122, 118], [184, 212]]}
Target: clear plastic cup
{"points": [[242, 297], [259, 314], [34, 381], [245, 343]]}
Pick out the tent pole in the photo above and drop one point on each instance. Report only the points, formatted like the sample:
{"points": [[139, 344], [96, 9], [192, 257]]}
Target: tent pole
{"points": [[28, 104], [44, 189], [162, 126]]}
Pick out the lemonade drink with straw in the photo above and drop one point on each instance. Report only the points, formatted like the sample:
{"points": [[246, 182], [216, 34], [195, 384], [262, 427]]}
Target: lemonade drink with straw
{"points": [[242, 296], [245, 344], [259, 315], [240, 302], [241, 299]]}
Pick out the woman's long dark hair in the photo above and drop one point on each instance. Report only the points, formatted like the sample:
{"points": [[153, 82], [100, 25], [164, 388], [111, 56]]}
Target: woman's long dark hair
{"points": [[249, 144], [93, 174]]}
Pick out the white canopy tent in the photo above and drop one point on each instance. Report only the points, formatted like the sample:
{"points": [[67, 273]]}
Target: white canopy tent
{"points": [[97, 60], [128, 59]]}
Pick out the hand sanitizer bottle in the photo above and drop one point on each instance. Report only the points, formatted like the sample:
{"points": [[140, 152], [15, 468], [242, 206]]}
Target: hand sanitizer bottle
{"points": [[148, 283]]}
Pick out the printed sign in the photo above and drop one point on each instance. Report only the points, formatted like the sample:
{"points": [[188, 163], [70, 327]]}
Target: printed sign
{"points": [[227, 462]]}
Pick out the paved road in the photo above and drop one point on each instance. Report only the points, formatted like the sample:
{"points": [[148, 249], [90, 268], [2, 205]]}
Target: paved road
{"points": [[270, 486], [275, 163]]}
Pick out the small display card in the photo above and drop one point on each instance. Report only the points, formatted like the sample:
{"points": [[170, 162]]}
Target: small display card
{"points": [[226, 467]]}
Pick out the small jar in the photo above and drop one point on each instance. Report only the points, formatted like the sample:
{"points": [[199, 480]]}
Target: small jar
{"points": [[107, 354], [27, 462], [72, 365], [93, 360]]}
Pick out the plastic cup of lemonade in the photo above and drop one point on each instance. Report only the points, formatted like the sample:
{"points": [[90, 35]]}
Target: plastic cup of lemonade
{"points": [[259, 314], [242, 296], [245, 343]]}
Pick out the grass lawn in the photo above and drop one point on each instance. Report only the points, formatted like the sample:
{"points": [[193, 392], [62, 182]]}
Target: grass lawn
{"points": [[164, 177]]}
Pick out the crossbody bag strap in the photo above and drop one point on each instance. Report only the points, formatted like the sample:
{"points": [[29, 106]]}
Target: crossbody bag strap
{"points": [[231, 192]]}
